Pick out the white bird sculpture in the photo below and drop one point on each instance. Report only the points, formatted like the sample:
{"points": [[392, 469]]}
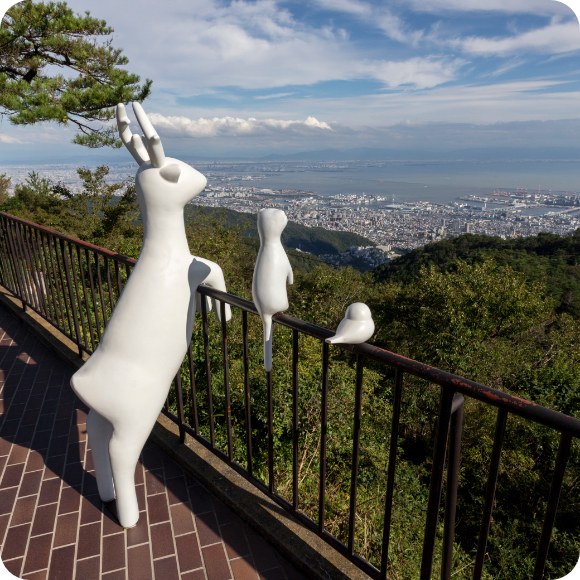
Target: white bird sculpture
{"points": [[357, 326]]}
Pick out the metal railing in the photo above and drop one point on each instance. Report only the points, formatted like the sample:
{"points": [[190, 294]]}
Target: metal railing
{"points": [[74, 285]]}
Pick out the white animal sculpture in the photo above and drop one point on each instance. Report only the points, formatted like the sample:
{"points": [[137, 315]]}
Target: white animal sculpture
{"points": [[271, 273], [357, 325], [127, 379]]}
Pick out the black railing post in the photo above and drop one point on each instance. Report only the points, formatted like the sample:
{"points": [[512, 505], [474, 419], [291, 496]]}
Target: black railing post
{"points": [[270, 432], [85, 295], [193, 389], [45, 270], [11, 282], [101, 291], [92, 286], [207, 369], [53, 254], [323, 430], [179, 400], [109, 284], [355, 452], [295, 419], [8, 230], [79, 304], [436, 485], [552, 507], [228, 409], [391, 471], [490, 492], [28, 282], [118, 277], [452, 482], [28, 253], [247, 398], [71, 296]]}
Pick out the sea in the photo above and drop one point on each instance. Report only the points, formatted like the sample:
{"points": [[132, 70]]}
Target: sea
{"points": [[438, 182]]}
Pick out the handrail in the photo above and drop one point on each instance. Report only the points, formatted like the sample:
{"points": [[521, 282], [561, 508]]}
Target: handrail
{"points": [[80, 243], [516, 405]]}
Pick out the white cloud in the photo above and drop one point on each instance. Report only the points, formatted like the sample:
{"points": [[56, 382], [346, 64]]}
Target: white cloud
{"points": [[274, 96], [190, 46], [232, 127], [478, 104], [540, 7], [553, 39], [348, 6], [420, 72], [9, 139], [375, 16]]}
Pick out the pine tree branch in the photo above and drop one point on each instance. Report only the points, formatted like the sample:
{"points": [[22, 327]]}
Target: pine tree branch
{"points": [[36, 35]]}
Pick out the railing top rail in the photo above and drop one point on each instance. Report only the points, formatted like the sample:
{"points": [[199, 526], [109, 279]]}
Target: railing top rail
{"points": [[512, 404], [87, 245]]}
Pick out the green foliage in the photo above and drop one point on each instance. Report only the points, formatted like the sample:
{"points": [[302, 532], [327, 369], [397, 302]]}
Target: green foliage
{"points": [[451, 319], [35, 37], [547, 258], [100, 213], [4, 187]]}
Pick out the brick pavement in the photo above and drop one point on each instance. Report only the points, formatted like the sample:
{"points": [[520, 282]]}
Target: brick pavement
{"points": [[53, 525]]}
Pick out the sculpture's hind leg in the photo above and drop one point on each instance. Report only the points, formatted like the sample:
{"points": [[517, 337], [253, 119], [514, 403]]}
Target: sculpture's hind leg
{"points": [[126, 444], [100, 431]]}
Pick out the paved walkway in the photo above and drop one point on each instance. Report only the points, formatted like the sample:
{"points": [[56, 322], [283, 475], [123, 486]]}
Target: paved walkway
{"points": [[53, 525]]}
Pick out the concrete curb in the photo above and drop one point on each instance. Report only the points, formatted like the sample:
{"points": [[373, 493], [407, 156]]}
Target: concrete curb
{"points": [[302, 548]]}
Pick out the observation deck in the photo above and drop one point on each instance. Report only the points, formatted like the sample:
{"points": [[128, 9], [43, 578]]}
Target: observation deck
{"points": [[52, 522]]}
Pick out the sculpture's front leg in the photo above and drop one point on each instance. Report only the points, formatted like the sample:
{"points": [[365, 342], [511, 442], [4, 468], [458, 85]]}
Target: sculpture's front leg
{"points": [[215, 279]]}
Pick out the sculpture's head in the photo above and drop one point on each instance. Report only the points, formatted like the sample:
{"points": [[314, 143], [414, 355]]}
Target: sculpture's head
{"points": [[161, 182], [271, 224]]}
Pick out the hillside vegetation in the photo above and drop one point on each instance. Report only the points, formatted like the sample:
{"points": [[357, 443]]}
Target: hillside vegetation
{"points": [[546, 257], [314, 240], [478, 313]]}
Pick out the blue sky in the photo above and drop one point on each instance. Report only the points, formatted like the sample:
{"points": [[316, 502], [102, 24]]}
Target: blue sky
{"points": [[252, 77]]}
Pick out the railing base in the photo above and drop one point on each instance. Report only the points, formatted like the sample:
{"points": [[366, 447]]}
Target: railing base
{"points": [[305, 550], [46, 332]]}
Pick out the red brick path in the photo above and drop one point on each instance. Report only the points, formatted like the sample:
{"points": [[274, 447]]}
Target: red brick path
{"points": [[53, 525]]}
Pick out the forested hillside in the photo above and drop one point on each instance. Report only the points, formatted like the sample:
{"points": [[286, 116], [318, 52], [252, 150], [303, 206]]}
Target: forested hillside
{"points": [[314, 240], [546, 257], [478, 307]]}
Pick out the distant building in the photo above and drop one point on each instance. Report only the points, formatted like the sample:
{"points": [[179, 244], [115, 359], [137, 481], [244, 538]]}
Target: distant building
{"points": [[456, 225]]}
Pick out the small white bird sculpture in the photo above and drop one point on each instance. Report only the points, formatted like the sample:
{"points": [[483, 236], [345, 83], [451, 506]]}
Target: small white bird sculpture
{"points": [[357, 326]]}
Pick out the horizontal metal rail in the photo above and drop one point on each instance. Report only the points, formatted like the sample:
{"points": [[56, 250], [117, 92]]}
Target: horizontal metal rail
{"points": [[75, 285], [101, 251], [512, 404]]}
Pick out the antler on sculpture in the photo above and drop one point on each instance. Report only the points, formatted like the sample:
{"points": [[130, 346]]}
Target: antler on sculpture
{"points": [[153, 150]]}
